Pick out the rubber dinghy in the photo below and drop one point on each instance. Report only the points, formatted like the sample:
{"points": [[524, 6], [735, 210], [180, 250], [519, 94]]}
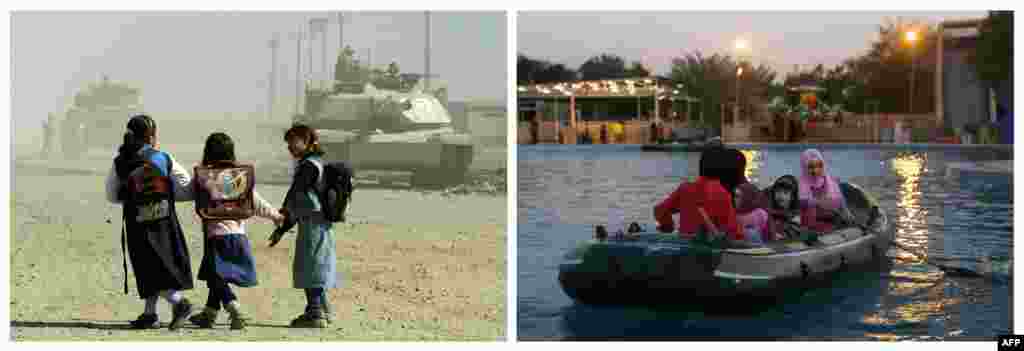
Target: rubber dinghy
{"points": [[654, 267]]}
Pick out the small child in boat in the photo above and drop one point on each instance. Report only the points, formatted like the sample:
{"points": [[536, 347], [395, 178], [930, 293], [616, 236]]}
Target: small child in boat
{"points": [[750, 214], [783, 206]]}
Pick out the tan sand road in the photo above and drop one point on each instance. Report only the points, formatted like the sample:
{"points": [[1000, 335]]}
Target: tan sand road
{"points": [[415, 265]]}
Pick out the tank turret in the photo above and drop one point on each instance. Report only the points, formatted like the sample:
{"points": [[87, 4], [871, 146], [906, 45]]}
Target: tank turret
{"points": [[389, 129], [97, 116]]}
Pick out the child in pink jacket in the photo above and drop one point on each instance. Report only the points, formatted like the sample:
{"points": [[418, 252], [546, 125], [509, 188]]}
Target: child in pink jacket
{"points": [[750, 214]]}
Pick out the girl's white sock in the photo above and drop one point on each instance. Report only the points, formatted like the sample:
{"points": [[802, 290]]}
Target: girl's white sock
{"points": [[151, 305], [173, 296], [233, 307]]}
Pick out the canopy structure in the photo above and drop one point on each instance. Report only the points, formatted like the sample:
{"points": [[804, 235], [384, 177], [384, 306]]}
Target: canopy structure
{"points": [[607, 99]]}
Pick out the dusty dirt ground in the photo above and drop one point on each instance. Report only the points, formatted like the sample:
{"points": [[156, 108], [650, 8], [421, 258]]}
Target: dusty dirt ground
{"points": [[415, 264]]}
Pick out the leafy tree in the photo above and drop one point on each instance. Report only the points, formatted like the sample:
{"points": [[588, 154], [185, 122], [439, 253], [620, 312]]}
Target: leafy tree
{"points": [[881, 74], [889, 62], [703, 78], [638, 70], [993, 56], [712, 80], [604, 66], [557, 73], [530, 70]]}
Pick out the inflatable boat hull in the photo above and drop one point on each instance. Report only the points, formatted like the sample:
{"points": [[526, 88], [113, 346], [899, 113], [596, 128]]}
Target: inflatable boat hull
{"points": [[654, 267]]}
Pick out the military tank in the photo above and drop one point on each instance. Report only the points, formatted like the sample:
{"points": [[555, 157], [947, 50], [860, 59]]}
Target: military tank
{"points": [[97, 117], [406, 130]]}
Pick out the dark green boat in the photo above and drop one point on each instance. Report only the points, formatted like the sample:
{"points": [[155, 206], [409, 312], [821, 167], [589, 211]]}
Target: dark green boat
{"points": [[655, 268]]}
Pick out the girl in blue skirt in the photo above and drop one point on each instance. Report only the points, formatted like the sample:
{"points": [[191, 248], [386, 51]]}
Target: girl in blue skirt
{"points": [[227, 255], [315, 267]]}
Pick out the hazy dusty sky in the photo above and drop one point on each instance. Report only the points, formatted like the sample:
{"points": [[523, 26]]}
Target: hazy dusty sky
{"points": [[779, 39], [220, 61]]}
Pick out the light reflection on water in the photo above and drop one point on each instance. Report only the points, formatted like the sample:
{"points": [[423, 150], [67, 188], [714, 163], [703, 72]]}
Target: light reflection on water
{"points": [[563, 193]]}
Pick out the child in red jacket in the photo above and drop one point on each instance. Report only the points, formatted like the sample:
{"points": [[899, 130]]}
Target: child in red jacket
{"points": [[705, 204]]}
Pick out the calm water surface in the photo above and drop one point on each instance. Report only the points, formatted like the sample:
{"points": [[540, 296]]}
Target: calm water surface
{"points": [[565, 190]]}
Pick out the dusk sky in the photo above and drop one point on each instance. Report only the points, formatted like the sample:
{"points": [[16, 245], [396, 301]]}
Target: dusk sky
{"points": [[779, 39], [220, 61]]}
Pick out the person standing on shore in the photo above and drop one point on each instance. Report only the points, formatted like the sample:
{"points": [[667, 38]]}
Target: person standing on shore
{"points": [[147, 182]]}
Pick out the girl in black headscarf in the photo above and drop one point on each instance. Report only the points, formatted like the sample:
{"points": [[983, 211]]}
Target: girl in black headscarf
{"points": [[147, 182]]}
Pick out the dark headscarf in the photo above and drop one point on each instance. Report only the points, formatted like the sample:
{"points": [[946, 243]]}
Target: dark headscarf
{"points": [[723, 164], [715, 163], [788, 183], [139, 127], [739, 168], [219, 148], [750, 199]]}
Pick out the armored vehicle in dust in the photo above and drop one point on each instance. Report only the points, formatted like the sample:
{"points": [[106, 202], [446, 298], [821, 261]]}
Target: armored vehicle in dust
{"points": [[389, 130], [97, 117]]}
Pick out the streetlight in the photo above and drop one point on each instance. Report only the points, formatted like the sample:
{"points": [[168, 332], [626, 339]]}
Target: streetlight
{"points": [[739, 74], [911, 38], [742, 54], [741, 44]]}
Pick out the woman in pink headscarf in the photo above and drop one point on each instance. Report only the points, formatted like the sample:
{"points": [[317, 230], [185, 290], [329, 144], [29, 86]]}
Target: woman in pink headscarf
{"points": [[820, 197]]}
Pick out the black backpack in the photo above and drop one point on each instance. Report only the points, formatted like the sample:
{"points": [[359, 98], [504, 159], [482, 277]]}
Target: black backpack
{"points": [[336, 188]]}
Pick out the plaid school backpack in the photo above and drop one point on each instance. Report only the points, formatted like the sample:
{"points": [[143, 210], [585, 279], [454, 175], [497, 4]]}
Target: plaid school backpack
{"points": [[224, 191]]}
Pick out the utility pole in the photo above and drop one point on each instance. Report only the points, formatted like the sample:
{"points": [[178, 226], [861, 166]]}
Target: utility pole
{"points": [[309, 51], [323, 50], [273, 77], [298, 70], [910, 108], [426, 53]]}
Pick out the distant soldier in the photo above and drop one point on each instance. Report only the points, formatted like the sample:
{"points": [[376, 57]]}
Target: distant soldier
{"points": [[47, 136], [81, 135]]}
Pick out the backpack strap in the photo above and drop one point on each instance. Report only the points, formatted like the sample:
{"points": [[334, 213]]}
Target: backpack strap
{"points": [[124, 222], [320, 176], [319, 180], [124, 254]]}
